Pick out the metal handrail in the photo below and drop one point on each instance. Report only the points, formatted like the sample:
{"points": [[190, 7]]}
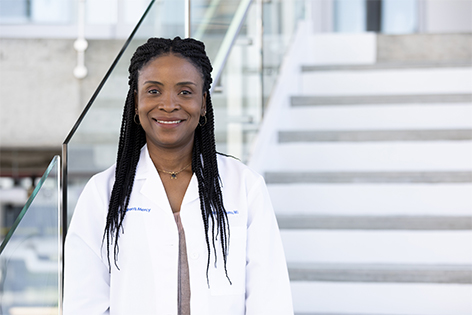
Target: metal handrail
{"points": [[228, 41]]}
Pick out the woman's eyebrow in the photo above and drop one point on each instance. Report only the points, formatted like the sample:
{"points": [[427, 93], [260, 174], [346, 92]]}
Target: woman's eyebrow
{"points": [[153, 82], [180, 83], [186, 83]]}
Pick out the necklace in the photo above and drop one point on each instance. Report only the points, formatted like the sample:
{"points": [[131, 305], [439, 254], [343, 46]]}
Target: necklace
{"points": [[173, 175]]}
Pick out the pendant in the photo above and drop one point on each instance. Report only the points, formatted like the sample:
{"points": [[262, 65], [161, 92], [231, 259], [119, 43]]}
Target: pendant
{"points": [[173, 176]]}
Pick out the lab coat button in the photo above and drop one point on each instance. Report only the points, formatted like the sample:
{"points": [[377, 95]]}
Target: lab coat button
{"points": [[195, 255]]}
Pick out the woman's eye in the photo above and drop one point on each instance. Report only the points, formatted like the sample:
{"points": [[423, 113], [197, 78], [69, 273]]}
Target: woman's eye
{"points": [[153, 91], [185, 92]]}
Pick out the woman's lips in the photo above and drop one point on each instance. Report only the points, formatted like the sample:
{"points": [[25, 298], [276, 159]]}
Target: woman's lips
{"points": [[169, 122]]}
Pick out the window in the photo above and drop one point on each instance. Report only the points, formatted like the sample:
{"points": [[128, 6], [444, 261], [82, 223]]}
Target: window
{"points": [[35, 11], [386, 16]]}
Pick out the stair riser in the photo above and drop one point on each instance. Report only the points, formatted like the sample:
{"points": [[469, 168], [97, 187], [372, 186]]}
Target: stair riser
{"points": [[380, 99], [453, 177], [374, 135], [386, 66], [382, 276], [359, 222]]}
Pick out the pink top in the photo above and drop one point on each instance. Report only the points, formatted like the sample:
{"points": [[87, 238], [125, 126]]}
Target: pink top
{"points": [[184, 280]]}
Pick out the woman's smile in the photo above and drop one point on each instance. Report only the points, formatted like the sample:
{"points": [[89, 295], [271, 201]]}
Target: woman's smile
{"points": [[168, 122]]}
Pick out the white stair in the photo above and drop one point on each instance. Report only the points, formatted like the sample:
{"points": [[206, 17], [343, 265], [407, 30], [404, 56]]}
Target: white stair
{"points": [[370, 172]]}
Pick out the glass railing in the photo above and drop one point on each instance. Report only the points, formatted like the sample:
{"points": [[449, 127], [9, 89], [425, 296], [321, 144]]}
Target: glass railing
{"points": [[280, 18], [210, 21], [244, 82], [30, 255], [229, 30]]}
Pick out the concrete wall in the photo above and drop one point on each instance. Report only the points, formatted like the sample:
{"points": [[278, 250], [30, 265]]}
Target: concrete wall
{"points": [[424, 48], [40, 99]]}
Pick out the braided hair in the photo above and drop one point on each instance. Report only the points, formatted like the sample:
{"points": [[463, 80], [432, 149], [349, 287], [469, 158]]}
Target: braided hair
{"points": [[204, 163]]}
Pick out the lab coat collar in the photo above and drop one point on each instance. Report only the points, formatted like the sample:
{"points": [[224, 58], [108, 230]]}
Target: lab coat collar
{"points": [[153, 188]]}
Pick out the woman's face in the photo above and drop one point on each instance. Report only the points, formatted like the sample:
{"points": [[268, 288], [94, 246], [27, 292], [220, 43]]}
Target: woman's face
{"points": [[169, 101]]}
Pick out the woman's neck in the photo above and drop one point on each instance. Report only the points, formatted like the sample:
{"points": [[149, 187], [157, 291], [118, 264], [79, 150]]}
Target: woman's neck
{"points": [[170, 159]]}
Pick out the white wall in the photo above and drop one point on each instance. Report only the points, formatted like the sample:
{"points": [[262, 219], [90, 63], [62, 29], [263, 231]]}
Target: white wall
{"points": [[448, 16]]}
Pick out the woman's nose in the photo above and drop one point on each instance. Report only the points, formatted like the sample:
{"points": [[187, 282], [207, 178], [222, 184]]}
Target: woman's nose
{"points": [[169, 103]]}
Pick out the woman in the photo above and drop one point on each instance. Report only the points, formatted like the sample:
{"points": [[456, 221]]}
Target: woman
{"points": [[174, 227]]}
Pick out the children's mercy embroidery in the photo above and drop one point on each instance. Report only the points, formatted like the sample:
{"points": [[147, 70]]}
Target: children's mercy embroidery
{"points": [[139, 209], [229, 212]]}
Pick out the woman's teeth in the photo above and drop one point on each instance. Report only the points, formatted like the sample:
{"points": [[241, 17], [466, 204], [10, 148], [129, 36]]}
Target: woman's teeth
{"points": [[169, 122]]}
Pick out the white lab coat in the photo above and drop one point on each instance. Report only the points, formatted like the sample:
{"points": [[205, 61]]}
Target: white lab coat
{"points": [[147, 279]]}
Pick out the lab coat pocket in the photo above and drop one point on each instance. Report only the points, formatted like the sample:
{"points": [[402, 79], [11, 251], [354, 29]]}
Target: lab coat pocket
{"points": [[235, 265]]}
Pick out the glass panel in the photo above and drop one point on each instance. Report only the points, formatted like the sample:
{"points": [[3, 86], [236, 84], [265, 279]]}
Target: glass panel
{"points": [[399, 16], [36, 11], [237, 99], [101, 12], [51, 11], [133, 10], [349, 16], [30, 254], [14, 11], [280, 23], [210, 21], [94, 144]]}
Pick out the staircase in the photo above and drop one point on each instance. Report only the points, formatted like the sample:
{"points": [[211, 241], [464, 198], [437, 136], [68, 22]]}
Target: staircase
{"points": [[369, 167]]}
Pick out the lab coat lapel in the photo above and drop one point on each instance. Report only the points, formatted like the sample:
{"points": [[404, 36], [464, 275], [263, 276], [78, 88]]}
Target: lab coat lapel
{"points": [[152, 188], [191, 193]]}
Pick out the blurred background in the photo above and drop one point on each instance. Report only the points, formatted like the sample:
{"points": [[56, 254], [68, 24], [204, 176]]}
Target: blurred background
{"points": [[357, 112]]}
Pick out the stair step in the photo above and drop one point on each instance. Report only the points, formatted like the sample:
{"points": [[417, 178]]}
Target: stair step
{"points": [[387, 82], [347, 313], [346, 298], [386, 66], [445, 116], [372, 199], [368, 177], [392, 273], [363, 222], [378, 246], [374, 135], [380, 99], [373, 156]]}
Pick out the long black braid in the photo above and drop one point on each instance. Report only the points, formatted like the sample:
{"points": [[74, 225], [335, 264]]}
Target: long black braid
{"points": [[204, 164]]}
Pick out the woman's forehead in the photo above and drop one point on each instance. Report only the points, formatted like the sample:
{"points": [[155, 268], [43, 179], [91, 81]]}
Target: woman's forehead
{"points": [[170, 67]]}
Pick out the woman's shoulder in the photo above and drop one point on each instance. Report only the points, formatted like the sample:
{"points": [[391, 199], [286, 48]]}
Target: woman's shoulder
{"points": [[105, 176], [102, 182], [231, 167]]}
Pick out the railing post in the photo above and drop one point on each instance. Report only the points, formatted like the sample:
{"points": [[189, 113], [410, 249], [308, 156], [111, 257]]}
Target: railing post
{"points": [[188, 24], [260, 46], [80, 71]]}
